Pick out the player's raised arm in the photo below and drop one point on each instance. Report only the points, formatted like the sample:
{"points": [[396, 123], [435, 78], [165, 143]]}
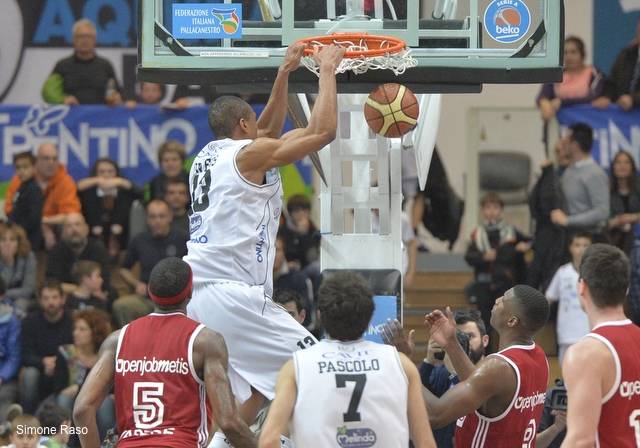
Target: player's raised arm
{"points": [[223, 404], [93, 392], [442, 328], [419, 426], [583, 370], [272, 118], [281, 408], [493, 378]]}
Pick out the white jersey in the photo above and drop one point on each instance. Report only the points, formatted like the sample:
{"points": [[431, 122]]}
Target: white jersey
{"points": [[350, 394], [234, 222]]}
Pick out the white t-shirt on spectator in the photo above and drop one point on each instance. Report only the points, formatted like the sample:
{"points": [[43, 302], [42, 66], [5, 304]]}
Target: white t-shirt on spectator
{"points": [[572, 322]]}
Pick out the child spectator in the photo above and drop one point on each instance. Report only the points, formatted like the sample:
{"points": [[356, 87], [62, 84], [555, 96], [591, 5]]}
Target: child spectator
{"points": [[89, 293], [18, 268], [24, 432], [171, 157], [495, 253], [301, 237], [28, 200], [572, 323], [9, 353], [52, 417]]}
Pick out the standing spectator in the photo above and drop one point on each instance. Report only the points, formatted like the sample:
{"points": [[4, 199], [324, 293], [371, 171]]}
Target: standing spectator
{"points": [[581, 83], [106, 202], [292, 302], [74, 361], [585, 187], [89, 293], [302, 239], [18, 267], [28, 199], [571, 323], [495, 252], [622, 86], [60, 194], [75, 245], [625, 201], [83, 77], [9, 352], [177, 196], [171, 157], [42, 333], [146, 249]]}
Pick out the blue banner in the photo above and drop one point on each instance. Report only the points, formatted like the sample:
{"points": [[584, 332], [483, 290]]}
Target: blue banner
{"points": [[131, 137], [386, 308], [613, 130]]}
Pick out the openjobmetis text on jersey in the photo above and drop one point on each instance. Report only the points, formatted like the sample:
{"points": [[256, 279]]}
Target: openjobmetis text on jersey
{"points": [[153, 365]]}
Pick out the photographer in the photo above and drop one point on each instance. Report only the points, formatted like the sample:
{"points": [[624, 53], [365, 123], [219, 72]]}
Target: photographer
{"points": [[553, 423]]}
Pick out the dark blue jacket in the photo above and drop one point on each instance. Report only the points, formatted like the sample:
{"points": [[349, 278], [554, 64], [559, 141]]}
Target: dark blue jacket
{"points": [[9, 348], [438, 380]]}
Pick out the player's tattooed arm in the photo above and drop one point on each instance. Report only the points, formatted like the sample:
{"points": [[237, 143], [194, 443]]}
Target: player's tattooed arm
{"points": [[94, 390], [489, 388], [211, 357], [281, 408]]}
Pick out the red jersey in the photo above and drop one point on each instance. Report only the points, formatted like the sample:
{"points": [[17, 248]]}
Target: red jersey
{"points": [[517, 425], [619, 425], [160, 401]]}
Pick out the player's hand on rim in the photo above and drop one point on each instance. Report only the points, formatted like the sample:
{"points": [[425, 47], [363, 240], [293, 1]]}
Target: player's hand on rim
{"points": [[292, 57], [328, 56], [393, 334], [441, 327]]}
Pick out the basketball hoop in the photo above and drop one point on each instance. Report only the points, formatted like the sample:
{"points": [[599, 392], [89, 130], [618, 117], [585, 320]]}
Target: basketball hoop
{"points": [[364, 52]]}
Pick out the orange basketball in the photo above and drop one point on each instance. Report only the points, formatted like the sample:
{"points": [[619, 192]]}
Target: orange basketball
{"points": [[391, 110]]}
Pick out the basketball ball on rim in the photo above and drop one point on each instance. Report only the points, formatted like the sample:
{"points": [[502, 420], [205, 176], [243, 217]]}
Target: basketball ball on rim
{"points": [[391, 110]]}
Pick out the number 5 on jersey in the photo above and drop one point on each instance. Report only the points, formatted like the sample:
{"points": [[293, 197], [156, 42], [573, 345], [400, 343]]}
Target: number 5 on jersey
{"points": [[148, 409]]}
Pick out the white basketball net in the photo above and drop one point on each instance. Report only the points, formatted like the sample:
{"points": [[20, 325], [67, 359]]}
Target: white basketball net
{"points": [[396, 62]]}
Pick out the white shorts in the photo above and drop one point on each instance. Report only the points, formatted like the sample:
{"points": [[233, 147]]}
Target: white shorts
{"points": [[260, 335]]}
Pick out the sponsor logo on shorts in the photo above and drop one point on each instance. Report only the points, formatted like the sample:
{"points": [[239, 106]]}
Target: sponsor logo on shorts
{"points": [[628, 389], [146, 432], [531, 401], [355, 437], [507, 21], [153, 365], [194, 223]]}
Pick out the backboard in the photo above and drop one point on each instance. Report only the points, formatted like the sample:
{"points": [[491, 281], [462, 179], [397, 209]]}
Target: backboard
{"points": [[458, 45]]}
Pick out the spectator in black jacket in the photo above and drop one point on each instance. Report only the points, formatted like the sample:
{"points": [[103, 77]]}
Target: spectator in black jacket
{"points": [[171, 157], [302, 239], [625, 201], [106, 202], [28, 200], [495, 252], [622, 86], [42, 333], [286, 278]]}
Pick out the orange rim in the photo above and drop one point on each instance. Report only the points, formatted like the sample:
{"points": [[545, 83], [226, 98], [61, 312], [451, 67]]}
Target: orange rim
{"points": [[378, 45]]}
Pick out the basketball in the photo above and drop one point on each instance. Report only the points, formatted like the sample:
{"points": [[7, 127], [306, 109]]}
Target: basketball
{"points": [[391, 110], [508, 16]]}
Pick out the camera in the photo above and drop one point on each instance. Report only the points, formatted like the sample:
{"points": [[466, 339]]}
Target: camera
{"points": [[463, 339], [559, 396]]}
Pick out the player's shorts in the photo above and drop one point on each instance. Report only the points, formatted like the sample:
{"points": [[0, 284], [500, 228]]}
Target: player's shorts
{"points": [[260, 335]]}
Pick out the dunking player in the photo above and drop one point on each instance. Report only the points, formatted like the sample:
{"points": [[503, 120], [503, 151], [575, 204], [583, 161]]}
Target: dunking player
{"points": [[346, 391], [602, 371], [236, 200], [499, 402], [169, 375]]}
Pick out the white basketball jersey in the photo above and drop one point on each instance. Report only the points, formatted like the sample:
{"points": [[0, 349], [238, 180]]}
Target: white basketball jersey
{"points": [[350, 394], [234, 222]]}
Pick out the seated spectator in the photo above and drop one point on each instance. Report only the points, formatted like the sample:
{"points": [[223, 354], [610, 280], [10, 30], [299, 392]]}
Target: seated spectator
{"points": [[60, 195], [625, 201], [291, 301], [572, 323], [89, 293], [9, 352], [26, 210], [52, 418], [146, 249], [18, 268], [622, 86], [74, 361], [300, 235], [286, 278], [177, 196], [495, 253], [25, 432], [75, 244], [585, 187], [43, 332], [148, 93], [581, 83], [171, 158], [83, 77], [106, 202]]}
